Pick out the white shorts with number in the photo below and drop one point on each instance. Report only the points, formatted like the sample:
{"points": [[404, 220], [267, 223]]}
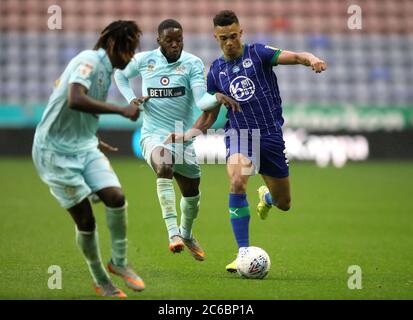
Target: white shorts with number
{"points": [[185, 160]]}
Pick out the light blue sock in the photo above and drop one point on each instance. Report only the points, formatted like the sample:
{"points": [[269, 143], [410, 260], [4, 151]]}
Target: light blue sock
{"points": [[166, 196], [189, 211], [116, 219], [89, 245]]}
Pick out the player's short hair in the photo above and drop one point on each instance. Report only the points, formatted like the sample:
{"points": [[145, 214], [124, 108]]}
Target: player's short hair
{"points": [[124, 33], [225, 18], [168, 23]]}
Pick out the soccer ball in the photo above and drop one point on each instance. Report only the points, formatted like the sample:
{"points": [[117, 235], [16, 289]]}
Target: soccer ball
{"points": [[253, 263]]}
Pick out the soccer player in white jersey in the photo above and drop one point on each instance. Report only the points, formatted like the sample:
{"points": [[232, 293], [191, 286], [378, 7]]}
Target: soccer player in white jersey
{"points": [[67, 158], [175, 82]]}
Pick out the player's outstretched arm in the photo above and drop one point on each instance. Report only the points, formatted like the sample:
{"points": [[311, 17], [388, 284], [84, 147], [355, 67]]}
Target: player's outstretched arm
{"points": [[122, 82], [80, 101], [204, 122], [210, 105], [304, 58], [206, 101]]}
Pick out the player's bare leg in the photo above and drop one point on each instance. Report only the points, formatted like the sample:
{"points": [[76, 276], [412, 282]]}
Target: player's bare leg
{"points": [[275, 193], [239, 169], [189, 212], [88, 242], [162, 162]]}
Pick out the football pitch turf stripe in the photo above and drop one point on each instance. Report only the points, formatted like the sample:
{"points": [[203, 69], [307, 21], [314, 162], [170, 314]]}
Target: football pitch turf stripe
{"points": [[360, 215]]}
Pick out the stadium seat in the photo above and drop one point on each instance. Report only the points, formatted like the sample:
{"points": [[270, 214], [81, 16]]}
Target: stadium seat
{"points": [[364, 67]]}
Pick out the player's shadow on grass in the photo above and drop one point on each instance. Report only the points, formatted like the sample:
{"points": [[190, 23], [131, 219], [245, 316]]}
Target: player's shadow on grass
{"points": [[236, 277]]}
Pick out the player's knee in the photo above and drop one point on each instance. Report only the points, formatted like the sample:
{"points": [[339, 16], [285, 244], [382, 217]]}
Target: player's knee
{"points": [[115, 199], [238, 184], [284, 204], [190, 191], [86, 223], [164, 171]]}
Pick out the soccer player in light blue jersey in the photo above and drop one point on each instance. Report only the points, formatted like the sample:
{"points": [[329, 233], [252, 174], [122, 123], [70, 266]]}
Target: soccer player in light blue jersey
{"points": [[175, 82], [67, 158]]}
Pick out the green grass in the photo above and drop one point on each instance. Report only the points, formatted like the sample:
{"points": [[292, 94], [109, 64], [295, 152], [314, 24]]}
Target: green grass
{"points": [[359, 215]]}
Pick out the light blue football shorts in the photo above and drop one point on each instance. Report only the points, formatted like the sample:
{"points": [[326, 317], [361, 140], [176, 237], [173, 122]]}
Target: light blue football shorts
{"points": [[185, 161], [72, 178]]}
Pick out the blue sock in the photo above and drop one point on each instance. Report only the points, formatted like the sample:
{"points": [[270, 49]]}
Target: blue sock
{"points": [[240, 218], [268, 199]]}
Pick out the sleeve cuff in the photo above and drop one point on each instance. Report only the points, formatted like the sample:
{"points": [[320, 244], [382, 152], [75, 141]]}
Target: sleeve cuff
{"points": [[131, 99], [275, 57], [84, 83]]}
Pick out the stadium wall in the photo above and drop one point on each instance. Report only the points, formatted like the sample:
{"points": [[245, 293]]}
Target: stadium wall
{"points": [[361, 108], [321, 146]]}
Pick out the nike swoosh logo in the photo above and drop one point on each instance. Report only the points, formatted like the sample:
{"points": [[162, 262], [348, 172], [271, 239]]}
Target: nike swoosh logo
{"points": [[234, 212]]}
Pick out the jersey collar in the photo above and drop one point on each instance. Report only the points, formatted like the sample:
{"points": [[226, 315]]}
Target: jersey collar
{"points": [[244, 49], [105, 59], [160, 54]]}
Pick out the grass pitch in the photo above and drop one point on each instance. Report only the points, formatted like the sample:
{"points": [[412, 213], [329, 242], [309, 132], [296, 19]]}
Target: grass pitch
{"points": [[359, 215]]}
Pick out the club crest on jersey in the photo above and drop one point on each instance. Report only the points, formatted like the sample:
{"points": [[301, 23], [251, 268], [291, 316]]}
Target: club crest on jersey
{"points": [[180, 69], [151, 64], [247, 63], [242, 88], [164, 81]]}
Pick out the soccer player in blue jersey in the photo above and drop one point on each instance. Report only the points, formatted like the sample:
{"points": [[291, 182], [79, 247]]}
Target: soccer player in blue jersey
{"points": [[175, 82], [67, 158], [254, 138]]}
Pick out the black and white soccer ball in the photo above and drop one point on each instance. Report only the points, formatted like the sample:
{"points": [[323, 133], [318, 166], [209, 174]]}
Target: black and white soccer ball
{"points": [[253, 263]]}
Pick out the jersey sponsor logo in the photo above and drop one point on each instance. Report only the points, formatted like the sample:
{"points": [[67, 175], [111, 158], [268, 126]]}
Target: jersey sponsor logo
{"points": [[236, 69], [164, 81], [242, 88], [166, 92], [247, 63]]}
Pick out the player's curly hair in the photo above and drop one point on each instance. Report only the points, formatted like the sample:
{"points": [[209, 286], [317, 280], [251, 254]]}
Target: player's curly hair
{"points": [[225, 18], [123, 34]]}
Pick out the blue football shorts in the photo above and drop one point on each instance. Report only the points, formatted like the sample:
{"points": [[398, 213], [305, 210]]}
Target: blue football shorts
{"points": [[266, 152]]}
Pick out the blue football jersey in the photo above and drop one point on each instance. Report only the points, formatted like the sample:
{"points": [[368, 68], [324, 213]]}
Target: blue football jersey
{"points": [[251, 81]]}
